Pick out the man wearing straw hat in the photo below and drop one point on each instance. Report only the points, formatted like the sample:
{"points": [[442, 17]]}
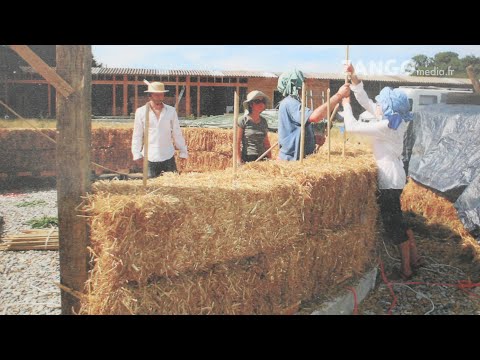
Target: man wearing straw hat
{"points": [[392, 112], [290, 114], [163, 127]]}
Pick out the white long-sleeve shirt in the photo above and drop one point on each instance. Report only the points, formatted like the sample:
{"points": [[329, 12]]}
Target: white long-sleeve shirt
{"points": [[161, 132], [387, 143]]}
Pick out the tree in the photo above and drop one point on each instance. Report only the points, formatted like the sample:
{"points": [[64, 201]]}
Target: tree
{"points": [[446, 63], [95, 63]]}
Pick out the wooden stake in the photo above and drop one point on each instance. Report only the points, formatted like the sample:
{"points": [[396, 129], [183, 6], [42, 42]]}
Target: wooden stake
{"points": [[302, 127], [328, 122], [347, 76], [236, 101], [74, 116], [145, 144]]}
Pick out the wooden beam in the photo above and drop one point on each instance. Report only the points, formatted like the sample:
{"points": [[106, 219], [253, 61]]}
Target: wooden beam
{"points": [[198, 100], [73, 170], [188, 100], [49, 95], [43, 69], [125, 95], [114, 100]]}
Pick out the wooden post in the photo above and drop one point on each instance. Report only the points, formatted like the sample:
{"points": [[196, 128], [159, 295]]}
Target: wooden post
{"points": [[188, 103], [302, 125], [473, 79], [125, 95], [311, 99], [235, 117], [114, 98], [328, 122], [145, 144], [198, 98], [73, 169], [49, 99], [177, 100], [344, 127]]}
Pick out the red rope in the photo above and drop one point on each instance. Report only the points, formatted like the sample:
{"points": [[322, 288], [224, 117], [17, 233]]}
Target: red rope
{"points": [[355, 302], [463, 285], [390, 287]]}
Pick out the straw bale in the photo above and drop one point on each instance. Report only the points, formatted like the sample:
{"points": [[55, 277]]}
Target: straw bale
{"points": [[253, 285], [333, 198], [197, 219], [203, 161], [437, 210]]}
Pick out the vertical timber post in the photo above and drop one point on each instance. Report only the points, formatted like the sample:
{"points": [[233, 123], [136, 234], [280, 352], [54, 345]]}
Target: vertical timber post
{"points": [[73, 169]]}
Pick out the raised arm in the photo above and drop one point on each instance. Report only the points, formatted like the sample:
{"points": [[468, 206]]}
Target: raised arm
{"points": [[320, 112]]}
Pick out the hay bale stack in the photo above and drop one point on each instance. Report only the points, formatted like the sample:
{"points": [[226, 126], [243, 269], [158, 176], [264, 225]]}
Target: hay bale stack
{"points": [[437, 210], [25, 150], [205, 243]]}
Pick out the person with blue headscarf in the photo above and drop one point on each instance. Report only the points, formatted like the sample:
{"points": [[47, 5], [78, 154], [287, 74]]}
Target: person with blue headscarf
{"points": [[290, 115], [392, 112]]}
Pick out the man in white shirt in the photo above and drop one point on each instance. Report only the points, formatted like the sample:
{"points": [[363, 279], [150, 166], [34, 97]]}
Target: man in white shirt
{"points": [[392, 114], [163, 127]]}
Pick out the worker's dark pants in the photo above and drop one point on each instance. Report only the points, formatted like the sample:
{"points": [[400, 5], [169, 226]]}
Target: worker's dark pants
{"points": [[392, 216], [156, 169]]}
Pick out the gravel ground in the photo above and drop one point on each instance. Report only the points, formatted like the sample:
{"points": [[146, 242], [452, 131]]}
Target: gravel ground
{"points": [[27, 278]]}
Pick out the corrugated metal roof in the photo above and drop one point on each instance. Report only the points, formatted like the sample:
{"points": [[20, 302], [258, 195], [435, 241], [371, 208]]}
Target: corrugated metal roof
{"points": [[264, 74], [393, 78]]}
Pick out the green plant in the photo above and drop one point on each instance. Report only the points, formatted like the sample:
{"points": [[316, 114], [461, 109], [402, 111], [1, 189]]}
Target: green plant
{"points": [[43, 222], [31, 203]]}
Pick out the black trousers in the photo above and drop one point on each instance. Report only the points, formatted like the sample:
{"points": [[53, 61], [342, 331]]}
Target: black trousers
{"points": [[156, 169], [250, 158], [392, 215]]}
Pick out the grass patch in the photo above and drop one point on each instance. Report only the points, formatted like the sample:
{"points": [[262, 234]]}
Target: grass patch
{"points": [[43, 222], [31, 203]]}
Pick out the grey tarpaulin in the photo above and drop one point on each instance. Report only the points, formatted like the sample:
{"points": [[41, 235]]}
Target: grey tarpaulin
{"points": [[446, 156]]}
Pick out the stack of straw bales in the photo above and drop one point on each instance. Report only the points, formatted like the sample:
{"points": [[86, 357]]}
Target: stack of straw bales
{"points": [[25, 150], [437, 210], [259, 242]]}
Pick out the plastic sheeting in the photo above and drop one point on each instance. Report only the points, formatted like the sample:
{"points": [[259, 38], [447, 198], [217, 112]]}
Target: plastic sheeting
{"points": [[446, 156]]}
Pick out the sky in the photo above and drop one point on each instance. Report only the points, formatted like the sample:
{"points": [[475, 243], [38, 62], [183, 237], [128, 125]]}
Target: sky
{"points": [[367, 59]]}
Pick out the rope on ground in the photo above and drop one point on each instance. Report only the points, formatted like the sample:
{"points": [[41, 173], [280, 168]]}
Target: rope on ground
{"points": [[355, 301]]}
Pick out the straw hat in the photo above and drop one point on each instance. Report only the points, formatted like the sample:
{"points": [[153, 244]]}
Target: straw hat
{"points": [[252, 95], [156, 87]]}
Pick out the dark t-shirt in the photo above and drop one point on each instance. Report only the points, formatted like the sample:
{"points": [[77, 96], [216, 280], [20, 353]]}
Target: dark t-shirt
{"points": [[253, 135]]}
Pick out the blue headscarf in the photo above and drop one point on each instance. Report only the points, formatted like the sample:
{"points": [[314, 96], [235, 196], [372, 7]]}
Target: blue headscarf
{"points": [[289, 83], [395, 106]]}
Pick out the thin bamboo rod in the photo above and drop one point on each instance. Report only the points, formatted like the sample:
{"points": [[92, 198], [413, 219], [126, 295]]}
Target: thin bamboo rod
{"points": [[266, 152], [236, 102], [145, 144], [344, 128], [302, 128], [328, 124]]}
